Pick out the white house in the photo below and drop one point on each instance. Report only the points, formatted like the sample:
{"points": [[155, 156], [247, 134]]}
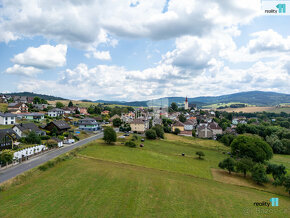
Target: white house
{"points": [[56, 112], [188, 125], [7, 119]]}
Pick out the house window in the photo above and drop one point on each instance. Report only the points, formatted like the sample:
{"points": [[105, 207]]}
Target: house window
{"points": [[12, 122]]}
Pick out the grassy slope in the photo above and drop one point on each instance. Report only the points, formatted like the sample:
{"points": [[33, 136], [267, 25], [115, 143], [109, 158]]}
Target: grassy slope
{"points": [[104, 189], [154, 181]]}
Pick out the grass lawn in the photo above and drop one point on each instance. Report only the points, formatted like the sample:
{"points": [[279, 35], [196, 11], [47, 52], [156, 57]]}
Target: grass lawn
{"points": [[84, 187], [153, 181], [6, 126], [3, 107]]}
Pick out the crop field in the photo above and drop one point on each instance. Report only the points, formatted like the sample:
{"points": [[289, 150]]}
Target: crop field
{"points": [[153, 181]]}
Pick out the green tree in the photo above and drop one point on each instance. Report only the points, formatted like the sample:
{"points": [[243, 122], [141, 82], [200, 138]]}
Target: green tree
{"points": [[110, 135], [193, 133], [174, 106], [286, 144], [252, 147], [36, 100], [59, 105], [277, 171], [151, 134], [176, 131], [259, 174], [228, 164], [182, 118], [32, 138], [276, 144], [51, 143], [130, 144], [117, 122], [200, 154], [70, 104], [6, 156], [287, 184], [159, 131], [244, 165]]}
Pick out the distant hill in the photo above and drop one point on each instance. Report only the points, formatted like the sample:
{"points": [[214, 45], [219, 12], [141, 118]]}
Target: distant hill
{"points": [[31, 94], [257, 98]]}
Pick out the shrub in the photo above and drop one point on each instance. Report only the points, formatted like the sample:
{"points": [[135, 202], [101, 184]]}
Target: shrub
{"points": [[200, 154], [32, 138], [44, 137], [151, 134], [252, 147], [159, 131], [130, 144], [51, 143], [193, 133], [6, 156], [287, 184], [176, 131], [228, 164], [109, 135], [259, 174]]}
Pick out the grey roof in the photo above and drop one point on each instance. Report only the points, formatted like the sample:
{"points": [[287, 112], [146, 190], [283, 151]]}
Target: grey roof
{"points": [[56, 110], [7, 115], [31, 114], [61, 124], [27, 126]]}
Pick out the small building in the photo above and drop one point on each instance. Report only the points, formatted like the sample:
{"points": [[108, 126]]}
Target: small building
{"points": [[7, 118], [55, 112], [60, 125], [23, 129], [105, 112], [139, 125], [216, 129], [83, 111], [31, 116], [204, 132], [177, 125], [40, 107], [88, 124], [17, 108], [188, 125], [114, 117], [7, 137]]}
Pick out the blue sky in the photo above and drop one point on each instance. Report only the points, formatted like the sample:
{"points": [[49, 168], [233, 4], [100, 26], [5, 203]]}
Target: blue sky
{"points": [[139, 50]]}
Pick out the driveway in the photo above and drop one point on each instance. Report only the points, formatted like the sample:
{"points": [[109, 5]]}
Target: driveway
{"points": [[11, 172]]}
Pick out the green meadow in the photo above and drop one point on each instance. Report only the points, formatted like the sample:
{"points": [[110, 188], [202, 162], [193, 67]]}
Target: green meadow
{"points": [[154, 181]]}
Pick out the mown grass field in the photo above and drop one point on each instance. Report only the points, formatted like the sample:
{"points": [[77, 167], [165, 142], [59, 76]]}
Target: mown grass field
{"points": [[3, 107], [153, 181], [258, 109]]}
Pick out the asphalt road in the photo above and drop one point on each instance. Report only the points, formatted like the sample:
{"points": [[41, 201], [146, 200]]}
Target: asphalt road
{"points": [[34, 162]]}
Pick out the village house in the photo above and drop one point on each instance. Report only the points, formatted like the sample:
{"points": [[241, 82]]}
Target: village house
{"points": [[139, 125], [7, 137], [216, 129], [31, 116], [23, 129], [83, 111], [237, 120], [17, 108], [55, 112], [40, 107], [156, 121], [127, 118], [105, 113], [114, 117], [60, 125], [7, 118], [88, 124], [177, 125], [204, 131], [188, 125]]}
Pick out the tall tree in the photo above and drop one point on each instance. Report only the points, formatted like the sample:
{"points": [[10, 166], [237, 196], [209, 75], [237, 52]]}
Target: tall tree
{"points": [[70, 104], [228, 164]]}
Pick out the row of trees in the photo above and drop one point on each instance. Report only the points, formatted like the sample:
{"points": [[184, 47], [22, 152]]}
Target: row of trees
{"points": [[250, 153]]}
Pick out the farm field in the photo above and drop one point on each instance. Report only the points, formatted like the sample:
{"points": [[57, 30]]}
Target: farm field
{"points": [[153, 181], [257, 109]]}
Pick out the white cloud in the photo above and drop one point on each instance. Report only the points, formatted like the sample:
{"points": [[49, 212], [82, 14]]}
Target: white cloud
{"points": [[22, 71], [101, 55], [43, 57], [87, 23]]}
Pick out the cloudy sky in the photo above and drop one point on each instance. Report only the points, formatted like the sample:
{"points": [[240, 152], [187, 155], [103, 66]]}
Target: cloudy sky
{"points": [[142, 49]]}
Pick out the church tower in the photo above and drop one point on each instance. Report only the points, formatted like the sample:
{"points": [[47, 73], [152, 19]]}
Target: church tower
{"points": [[186, 104]]}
